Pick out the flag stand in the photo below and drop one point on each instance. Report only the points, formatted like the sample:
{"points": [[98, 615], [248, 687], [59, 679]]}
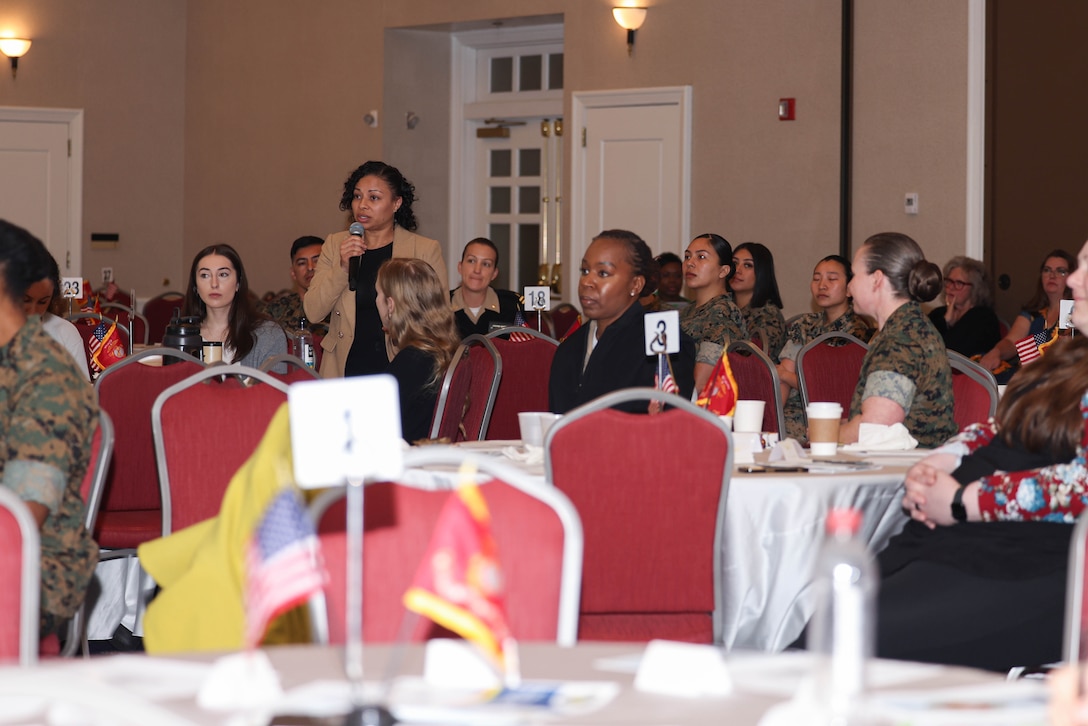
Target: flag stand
{"points": [[361, 714]]}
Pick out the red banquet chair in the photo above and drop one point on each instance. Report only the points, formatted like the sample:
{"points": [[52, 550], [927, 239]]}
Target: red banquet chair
{"points": [[974, 391], [757, 380], [20, 569], [159, 310], [468, 392], [828, 368], [526, 367], [651, 492], [205, 427], [534, 526]]}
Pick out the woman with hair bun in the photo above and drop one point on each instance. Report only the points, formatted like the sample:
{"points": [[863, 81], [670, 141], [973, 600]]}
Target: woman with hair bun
{"points": [[609, 352], [905, 376]]}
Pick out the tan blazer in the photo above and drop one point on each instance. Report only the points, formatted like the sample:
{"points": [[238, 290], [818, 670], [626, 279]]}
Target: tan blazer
{"points": [[329, 293]]}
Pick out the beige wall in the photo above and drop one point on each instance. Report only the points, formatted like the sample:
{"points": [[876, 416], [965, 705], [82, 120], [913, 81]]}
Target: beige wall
{"points": [[271, 133]]}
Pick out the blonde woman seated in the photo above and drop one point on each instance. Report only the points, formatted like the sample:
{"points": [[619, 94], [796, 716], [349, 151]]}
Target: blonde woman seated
{"points": [[414, 308], [905, 376], [829, 291]]}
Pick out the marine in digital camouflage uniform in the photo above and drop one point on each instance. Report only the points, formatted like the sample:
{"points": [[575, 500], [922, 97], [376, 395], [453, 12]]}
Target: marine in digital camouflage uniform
{"points": [[769, 326], [48, 415], [713, 325], [802, 331], [907, 363], [286, 309]]}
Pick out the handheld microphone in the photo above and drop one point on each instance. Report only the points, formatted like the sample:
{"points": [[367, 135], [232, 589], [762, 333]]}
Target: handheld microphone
{"points": [[355, 230]]}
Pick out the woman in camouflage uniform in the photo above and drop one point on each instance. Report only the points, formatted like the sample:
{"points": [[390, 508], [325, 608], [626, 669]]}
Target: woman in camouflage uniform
{"points": [[712, 319], [756, 291], [905, 376], [829, 283]]}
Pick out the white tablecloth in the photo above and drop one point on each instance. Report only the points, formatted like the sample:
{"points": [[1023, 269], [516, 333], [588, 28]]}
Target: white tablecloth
{"points": [[773, 531]]}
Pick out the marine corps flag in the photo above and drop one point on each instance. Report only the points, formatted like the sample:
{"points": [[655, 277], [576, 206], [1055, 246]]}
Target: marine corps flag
{"points": [[105, 347], [720, 394], [459, 584]]}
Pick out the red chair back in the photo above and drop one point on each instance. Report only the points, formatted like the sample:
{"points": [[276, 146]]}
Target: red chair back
{"points": [[204, 430], [130, 509], [398, 524], [757, 380], [651, 491], [828, 369], [564, 316], [974, 391], [526, 367], [158, 311], [468, 393], [19, 570]]}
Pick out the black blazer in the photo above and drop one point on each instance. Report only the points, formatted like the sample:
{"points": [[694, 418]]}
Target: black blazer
{"points": [[619, 361]]}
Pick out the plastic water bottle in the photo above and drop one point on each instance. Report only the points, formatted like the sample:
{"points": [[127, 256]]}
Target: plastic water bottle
{"points": [[842, 632], [302, 343]]}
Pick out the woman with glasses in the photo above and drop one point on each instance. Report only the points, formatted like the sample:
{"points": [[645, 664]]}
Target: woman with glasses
{"points": [[967, 321], [1039, 316]]}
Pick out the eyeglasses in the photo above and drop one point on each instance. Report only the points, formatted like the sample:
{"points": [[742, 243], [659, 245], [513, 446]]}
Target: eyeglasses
{"points": [[1059, 271], [956, 284]]}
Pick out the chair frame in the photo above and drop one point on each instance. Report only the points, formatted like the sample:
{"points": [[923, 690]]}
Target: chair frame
{"points": [[291, 361], [77, 634], [820, 340], [776, 384], [573, 540], [214, 371], [1074, 591], [30, 577], [501, 332], [447, 381], [670, 400], [976, 373], [133, 314]]}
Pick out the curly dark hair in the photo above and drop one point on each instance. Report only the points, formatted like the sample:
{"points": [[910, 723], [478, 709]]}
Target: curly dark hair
{"points": [[243, 318], [401, 187], [638, 255], [24, 260]]}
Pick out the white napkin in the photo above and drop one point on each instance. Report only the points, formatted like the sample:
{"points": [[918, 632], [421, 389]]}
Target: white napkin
{"points": [[878, 437], [527, 454]]}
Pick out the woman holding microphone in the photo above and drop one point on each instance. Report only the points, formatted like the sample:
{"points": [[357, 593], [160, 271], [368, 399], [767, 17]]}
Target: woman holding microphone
{"points": [[380, 201]]}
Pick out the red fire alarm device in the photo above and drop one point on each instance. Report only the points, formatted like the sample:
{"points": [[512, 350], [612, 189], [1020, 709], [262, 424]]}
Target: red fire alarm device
{"points": [[785, 109]]}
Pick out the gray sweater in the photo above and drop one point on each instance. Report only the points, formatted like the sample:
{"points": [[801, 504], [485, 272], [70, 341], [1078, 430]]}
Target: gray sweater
{"points": [[268, 340]]}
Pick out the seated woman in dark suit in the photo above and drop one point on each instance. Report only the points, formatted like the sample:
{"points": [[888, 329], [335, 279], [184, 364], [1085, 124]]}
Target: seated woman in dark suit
{"points": [[411, 302], [967, 321], [609, 353], [476, 305]]}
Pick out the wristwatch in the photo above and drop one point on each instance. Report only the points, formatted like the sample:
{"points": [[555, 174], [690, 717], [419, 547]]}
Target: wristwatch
{"points": [[959, 512]]}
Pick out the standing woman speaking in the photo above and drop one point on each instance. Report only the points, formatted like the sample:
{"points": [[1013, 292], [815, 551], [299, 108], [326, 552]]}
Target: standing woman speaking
{"points": [[380, 201]]}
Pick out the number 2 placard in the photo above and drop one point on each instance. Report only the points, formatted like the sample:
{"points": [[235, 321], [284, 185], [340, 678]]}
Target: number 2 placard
{"points": [[71, 287]]}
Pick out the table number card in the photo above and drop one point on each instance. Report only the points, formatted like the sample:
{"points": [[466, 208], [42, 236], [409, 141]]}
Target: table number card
{"points": [[345, 428], [662, 332], [71, 287], [538, 298], [1065, 314]]}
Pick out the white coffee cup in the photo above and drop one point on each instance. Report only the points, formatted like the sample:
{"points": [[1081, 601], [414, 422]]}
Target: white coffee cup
{"points": [[824, 418], [530, 424], [547, 420], [727, 420], [748, 417]]}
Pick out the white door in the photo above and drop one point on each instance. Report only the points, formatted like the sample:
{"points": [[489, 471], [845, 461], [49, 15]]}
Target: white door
{"points": [[37, 188], [631, 169]]}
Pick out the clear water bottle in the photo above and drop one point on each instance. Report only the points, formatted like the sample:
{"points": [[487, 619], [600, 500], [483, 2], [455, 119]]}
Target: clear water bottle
{"points": [[842, 633], [302, 343]]}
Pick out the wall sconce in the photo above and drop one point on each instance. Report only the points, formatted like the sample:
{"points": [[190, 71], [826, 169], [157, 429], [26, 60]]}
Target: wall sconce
{"points": [[14, 48], [630, 19]]}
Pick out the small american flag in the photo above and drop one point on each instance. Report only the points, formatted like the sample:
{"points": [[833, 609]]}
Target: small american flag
{"points": [[1028, 348], [283, 564], [519, 321], [663, 379]]}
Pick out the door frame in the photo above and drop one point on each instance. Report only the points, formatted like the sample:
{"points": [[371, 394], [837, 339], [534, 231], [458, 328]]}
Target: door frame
{"points": [[73, 118], [581, 103]]}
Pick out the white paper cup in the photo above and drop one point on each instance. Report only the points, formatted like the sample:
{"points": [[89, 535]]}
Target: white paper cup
{"points": [[727, 420], [748, 417], [531, 432], [824, 418], [547, 420]]}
